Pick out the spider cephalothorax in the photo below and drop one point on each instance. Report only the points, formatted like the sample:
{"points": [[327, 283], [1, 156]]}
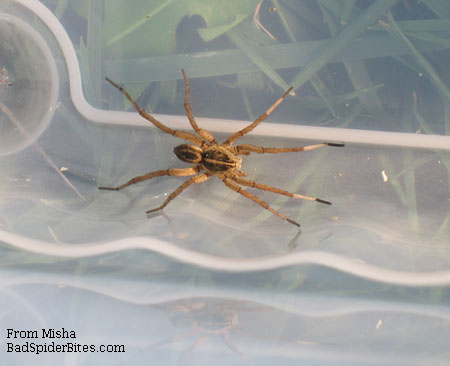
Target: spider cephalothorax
{"points": [[213, 159]]}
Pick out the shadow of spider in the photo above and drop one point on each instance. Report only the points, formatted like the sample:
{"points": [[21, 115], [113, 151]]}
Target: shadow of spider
{"points": [[214, 159]]}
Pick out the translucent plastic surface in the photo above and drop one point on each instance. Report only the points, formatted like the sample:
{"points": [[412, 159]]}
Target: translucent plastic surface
{"points": [[29, 84], [214, 276]]}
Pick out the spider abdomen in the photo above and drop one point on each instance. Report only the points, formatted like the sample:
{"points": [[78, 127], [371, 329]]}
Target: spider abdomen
{"points": [[219, 160], [189, 153]]}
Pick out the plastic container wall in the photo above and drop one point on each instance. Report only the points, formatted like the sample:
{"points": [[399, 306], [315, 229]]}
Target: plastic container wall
{"points": [[214, 276]]}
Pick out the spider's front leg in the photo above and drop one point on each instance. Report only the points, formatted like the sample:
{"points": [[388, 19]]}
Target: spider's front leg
{"points": [[194, 180], [237, 135], [177, 133], [159, 173], [187, 106]]}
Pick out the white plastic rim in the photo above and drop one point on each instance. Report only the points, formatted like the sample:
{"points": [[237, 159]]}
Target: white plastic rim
{"points": [[307, 305], [179, 122], [215, 263], [37, 123]]}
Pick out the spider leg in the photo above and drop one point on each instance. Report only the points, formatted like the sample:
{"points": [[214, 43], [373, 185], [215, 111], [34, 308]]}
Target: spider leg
{"points": [[232, 347], [194, 180], [245, 149], [191, 348], [265, 187], [187, 106], [257, 121], [240, 173], [235, 187], [180, 134], [159, 173]]}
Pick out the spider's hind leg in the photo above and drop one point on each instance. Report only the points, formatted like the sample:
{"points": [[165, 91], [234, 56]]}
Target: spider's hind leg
{"points": [[235, 187], [246, 149], [265, 187]]}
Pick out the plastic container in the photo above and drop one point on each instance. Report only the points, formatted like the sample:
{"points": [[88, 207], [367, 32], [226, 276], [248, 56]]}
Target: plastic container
{"points": [[214, 278]]}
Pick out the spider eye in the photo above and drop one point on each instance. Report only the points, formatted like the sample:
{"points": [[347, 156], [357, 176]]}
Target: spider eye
{"points": [[189, 153]]}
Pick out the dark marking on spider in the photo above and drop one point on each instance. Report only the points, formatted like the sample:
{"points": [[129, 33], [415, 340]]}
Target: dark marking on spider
{"points": [[221, 160]]}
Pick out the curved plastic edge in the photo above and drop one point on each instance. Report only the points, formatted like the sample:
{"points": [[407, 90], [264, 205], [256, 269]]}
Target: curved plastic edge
{"points": [[311, 305], [53, 77], [266, 129], [336, 262]]}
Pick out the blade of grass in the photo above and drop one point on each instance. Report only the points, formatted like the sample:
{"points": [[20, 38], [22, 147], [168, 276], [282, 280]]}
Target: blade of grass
{"points": [[87, 78], [324, 94], [249, 81], [359, 75], [347, 12], [434, 77], [334, 8], [94, 49], [428, 69], [234, 61], [210, 33], [442, 232], [358, 93], [133, 27], [348, 34], [346, 122], [410, 162], [248, 107], [389, 168], [431, 38], [413, 164], [330, 17], [422, 123], [256, 57], [430, 30], [444, 158], [410, 191], [447, 119], [367, 92], [282, 16], [421, 25], [61, 7], [440, 7], [307, 14], [319, 86]]}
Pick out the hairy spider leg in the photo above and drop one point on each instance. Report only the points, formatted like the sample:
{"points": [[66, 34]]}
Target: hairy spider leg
{"points": [[159, 173], [191, 348], [180, 134], [194, 180], [265, 187], [187, 106], [233, 348], [237, 188], [256, 122], [245, 149]]}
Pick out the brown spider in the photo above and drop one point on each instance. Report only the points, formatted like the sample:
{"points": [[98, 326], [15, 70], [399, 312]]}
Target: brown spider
{"points": [[212, 158]]}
